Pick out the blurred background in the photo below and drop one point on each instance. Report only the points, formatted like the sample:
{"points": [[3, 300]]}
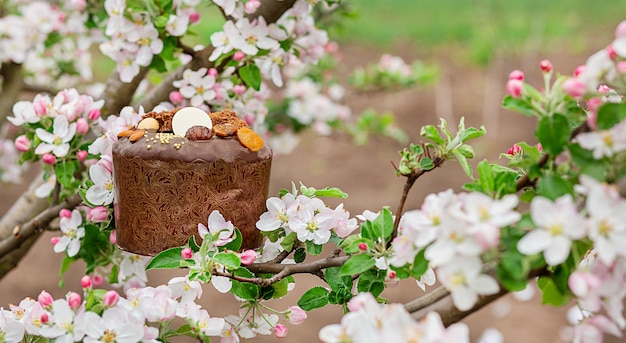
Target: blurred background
{"points": [[473, 45]]}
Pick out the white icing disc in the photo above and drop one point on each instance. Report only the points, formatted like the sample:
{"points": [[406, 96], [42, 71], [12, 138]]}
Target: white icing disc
{"points": [[187, 117]]}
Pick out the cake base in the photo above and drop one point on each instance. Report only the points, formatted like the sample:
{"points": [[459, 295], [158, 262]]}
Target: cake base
{"points": [[159, 203]]}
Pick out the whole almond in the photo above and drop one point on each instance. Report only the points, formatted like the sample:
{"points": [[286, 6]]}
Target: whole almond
{"points": [[126, 133], [137, 135], [148, 124]]}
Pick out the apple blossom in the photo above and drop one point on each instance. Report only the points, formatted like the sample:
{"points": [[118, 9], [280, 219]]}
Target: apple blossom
{"points": [[82, 155], [56, 142], [85, 282], [217, 225], [558, 224], [22, 143], [73, 232]]}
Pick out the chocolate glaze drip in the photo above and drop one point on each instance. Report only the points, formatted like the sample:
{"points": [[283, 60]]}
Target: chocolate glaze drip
{"points": [[163, 193]]}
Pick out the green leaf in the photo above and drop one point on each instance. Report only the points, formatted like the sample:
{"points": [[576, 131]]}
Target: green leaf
{"points": [[313, 249], [235, 244], [463, 162], [427, 163], [610, 114], [420, 265], [551, 294], [553, 132], [167, 259], [382, 225], [65, 265], [299, 255], [280, 288], [530, 151], [518, 105], [315, 297], [554, 186], [64, 172], [335, 281], [228, 259], [251, 75], [288, 241], [192, 244], [431, 132], [331, 192], [351, 244], [245, 290], [357, 264], [485, 176], [471, 133], [372, 281]]}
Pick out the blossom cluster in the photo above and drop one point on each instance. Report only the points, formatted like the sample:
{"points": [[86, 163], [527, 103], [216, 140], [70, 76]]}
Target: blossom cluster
{"points": [[134, 37], [306, 218], [454, 230], [28, 34], [369, 321]]}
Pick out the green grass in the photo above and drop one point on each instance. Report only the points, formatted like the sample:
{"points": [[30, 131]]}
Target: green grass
{"points": [[481, 27]]}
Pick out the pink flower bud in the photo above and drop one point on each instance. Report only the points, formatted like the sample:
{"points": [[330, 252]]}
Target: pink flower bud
{"points": [[85, 282], [296, 315], [110, 298], [391, 275], [22, 143], [54, 240], [620, 31], [579, 70], [252, 6], [363, 246], [515, 88], [186, 253], [611, 52], [74, 300], [44, 318], [574, 87], [48, 158], [238, 56], [514, 150], [176, 97], [82, 127], [249, 118], [546, 66], [516, 75], [40, 108], [247, 257], [593, 105], [97, 280], [581, 283], [213, 72], [82, 155], [280, 331], [194, 17], [45, 299], [98, 214], [539, 147], [239, 89], [65, 213], [113, 237], [94, 114]]}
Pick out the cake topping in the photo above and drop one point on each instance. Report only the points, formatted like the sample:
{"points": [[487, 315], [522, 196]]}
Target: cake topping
{"points": [[199, 133], [250, 139], [137, 135], [225, 130], [187, 117], [148, 124]]}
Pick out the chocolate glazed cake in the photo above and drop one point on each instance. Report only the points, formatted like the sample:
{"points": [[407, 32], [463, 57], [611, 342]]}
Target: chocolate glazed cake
{"points": [[166, 184]]}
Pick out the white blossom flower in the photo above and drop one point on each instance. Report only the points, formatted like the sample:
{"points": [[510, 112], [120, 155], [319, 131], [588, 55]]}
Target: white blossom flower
{"points": [[187, 290], [604, 143], [200, 320], [11, 330], [64, 328], [558, 224], [23, 112], [197, 86], [465, 281], [72, 234], [101, 193], [56, 142], [217, 224], [113, 326], [276, 215]]}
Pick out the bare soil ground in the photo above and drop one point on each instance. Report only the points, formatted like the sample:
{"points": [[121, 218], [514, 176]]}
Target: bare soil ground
{"points": [[366, 174]]}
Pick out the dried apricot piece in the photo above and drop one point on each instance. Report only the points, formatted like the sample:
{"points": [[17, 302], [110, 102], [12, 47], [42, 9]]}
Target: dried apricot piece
{"points": [[250, 139]]}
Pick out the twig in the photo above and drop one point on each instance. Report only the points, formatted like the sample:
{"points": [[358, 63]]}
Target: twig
{"points": [[12, 83], [21, 233], [281, 271]]}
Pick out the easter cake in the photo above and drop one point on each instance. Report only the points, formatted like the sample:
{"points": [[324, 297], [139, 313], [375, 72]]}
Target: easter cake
{"points": [[176, 167]]}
